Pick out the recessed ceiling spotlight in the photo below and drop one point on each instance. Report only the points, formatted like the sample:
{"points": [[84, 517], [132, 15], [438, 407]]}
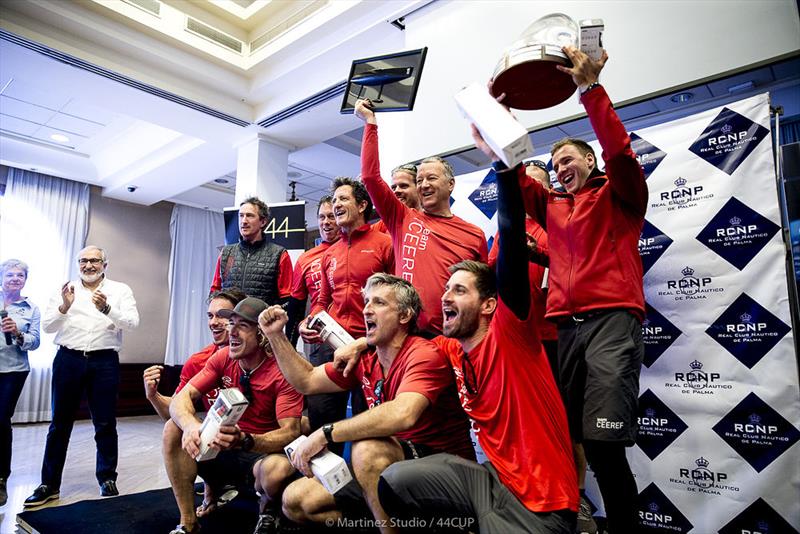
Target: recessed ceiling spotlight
{"points": [[293, 174], [682, 98], [221, 180], [61, 138]]}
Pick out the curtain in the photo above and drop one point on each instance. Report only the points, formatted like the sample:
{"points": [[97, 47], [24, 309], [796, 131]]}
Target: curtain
{"points": [[44, 223], [790, 130], [195, 234]]}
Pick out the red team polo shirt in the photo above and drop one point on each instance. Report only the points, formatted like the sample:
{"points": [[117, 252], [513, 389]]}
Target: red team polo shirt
{"points": [[308, 273], [547, 329], [424, 245], [346, 266], [518, 413], [194, 365], [273, 397], [419, 367]]}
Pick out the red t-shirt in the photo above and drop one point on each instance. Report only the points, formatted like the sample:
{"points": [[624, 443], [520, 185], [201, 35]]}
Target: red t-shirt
{"points": [[273, 397], [308, 273], [547, 329], [194, 365], [346, 266], [284, 276], [419, 367], [518, 414], [424, 245]]}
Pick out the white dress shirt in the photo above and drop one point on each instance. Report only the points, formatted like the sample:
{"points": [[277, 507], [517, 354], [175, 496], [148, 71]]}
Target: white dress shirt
{"points": [[84, 327]]}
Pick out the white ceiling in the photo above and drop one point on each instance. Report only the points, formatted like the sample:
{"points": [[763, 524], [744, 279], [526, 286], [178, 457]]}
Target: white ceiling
{"points": [[147, 108]]}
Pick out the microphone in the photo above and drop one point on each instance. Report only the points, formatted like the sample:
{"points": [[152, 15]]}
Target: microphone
{"points": [[3, 315]]}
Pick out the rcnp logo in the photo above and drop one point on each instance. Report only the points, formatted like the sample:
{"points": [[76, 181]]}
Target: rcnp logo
{"points": [[747, 330], [652, 244], [689, 286], [700, 478], [658, 425], [647, 154], [658, 334], [758, 518], [685, 194], [698, 381], [756, 431], [653, 514], [485, 195], [682, 193], [737, 233], [657, 514], [728, 140]]}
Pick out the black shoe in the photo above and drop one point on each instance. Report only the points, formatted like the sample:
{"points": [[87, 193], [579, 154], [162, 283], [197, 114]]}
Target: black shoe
{"points": [[41, 495], [586, 524], [267, 524], [3, 492], [109, 488]]}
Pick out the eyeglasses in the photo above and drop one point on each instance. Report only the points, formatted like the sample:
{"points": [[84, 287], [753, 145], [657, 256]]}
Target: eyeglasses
{"points": [[244, 385], [378, 391], [468, 373], [93, 261]]}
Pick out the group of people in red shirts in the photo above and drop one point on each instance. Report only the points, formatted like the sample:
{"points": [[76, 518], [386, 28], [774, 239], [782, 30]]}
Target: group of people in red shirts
{"points": [[536, 345]]}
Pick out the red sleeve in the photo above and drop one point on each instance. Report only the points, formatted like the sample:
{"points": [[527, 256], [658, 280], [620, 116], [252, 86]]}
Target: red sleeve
{"points": [[216, 283], [324, 297], [285, 276], [534, 197], [346, 383], [299, 289], [187, 372], [426, 373], [288, 402], [622, 169], [492, 260], [540, 236], [388, 255], [210, 375], [389, 207]]}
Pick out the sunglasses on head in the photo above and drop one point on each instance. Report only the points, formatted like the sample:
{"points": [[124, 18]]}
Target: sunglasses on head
{"points": [[468, 372]]}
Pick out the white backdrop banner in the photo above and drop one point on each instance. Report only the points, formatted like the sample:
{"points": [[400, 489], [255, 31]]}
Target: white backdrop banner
{"points": [[719, 406]]}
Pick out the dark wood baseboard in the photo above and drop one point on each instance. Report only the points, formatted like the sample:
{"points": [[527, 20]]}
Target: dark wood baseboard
{"points": [[131, 400]]}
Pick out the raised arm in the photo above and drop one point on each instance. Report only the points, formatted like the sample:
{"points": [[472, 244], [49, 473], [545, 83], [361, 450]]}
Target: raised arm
{"points": [[298, 371], [622, 168], [388, 206], [512, 271]]}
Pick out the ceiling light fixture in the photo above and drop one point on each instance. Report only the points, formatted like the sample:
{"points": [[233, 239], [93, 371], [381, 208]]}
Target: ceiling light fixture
{"points": [[682, 98], [740, 87], [221, 180], [60, 138]]}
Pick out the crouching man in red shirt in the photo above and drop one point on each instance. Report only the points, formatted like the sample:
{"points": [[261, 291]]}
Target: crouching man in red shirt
{"points": [[413, 409], [506, 387]]}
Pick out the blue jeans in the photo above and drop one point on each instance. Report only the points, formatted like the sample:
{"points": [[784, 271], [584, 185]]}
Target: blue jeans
{"points": [[74, 373], [10, 389]]}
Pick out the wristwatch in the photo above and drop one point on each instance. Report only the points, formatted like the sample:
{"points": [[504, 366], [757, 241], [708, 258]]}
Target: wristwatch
{"points": [[248, 442], [328, 431]]}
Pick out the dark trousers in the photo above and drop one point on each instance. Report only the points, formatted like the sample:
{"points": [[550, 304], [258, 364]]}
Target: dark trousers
{"points": [[74, 373], [448, 491], [10, 389], [327, 407]]}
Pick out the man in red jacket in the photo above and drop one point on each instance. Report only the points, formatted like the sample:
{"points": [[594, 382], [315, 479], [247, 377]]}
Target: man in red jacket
{"points": [[425, 242], [596, 292]]}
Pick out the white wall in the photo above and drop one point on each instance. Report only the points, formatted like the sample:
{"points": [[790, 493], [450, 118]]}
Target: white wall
{"points": [[653, 45]]}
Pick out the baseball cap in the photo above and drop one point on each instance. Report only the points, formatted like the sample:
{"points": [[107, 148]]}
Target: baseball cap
{"points": [[249, 309]]}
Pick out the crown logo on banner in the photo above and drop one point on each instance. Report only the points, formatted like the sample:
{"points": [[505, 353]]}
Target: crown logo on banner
{"points": [[746, 317], [696, 366], [653, 507], [763, 526], [754, 418], [650, 412], [687, 271], [702, 463], [727, 128], [680, 182], [735, 221]]}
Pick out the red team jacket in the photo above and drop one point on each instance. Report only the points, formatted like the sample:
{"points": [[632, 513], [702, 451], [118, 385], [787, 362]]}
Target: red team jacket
{"points": [[594, 234]]}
